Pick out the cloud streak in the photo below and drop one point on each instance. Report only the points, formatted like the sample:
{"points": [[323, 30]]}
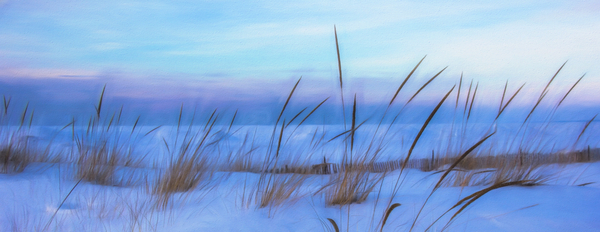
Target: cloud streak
{"points": [[224, 52]]}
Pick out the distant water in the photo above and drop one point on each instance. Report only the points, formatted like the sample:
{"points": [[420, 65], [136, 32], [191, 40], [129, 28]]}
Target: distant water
{"points": [[313, 142]]}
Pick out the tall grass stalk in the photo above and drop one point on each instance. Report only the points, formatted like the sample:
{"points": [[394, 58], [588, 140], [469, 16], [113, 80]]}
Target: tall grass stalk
{"points": [[337, 48], [570, 89], [102, 149], [425, 85], [587, 124], [502, 108], [544, 92], [439, 183], [190, 167], [412, 147]]}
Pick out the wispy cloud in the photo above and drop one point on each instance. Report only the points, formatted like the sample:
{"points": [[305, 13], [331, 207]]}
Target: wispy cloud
{"points": [[109, 46], [9, 73], [204, 50]]}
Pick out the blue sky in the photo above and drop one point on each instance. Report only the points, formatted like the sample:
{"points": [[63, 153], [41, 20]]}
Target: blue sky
{"points": [[255, 50]]}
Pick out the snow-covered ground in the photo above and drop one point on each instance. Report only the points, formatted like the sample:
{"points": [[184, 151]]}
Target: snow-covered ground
{"points": [[567, 200], [29, 199]]}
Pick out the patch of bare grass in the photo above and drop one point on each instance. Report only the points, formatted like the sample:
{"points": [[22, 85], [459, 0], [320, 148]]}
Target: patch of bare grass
{"points": [[17, 148], [243, 160], [191, 165], [103, 157], [350, 186], [16, 155]]}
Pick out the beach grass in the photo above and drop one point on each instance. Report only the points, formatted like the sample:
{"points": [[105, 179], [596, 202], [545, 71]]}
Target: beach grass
{"points": [[102, 152]]}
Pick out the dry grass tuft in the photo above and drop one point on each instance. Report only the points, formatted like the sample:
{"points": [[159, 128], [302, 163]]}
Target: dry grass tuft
{"points": [[98, 164], [243, 159], [14, 157], [102, 149], [350, 186], [353, 182], [180, 177], [106, 163], [283, 188], [100, 155], [190, 167], [17, 148]]}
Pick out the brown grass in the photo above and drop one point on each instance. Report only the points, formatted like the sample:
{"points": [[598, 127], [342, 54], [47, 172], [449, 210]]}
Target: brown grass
{"points": [[15, 156], [191, 166], [243, 159], [544, 92], [100, 151], [17, 148], [337, 48], [440, 181], [350, 186], [273, 190], [97, 164], [425, 85], [353, 183], [387, 214], [282, 189], [405, 80], [335, 226], [100, 154], [465, 202], [570, 89], [184, 175]]}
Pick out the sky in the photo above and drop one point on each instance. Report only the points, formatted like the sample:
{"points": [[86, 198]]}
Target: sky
{"points": [[155, 55]]}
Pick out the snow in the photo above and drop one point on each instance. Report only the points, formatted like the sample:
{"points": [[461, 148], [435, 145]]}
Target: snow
{"points": [[28, 200]]}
